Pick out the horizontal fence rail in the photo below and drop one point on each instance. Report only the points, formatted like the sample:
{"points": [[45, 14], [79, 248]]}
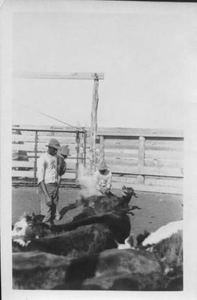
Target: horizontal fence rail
{"points": [[146, 159], [28, 144]]}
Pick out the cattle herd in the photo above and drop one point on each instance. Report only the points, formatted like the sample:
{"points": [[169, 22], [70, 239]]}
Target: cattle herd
{"points": [[97, 250]]}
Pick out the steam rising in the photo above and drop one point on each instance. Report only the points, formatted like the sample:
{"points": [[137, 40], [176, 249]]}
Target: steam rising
{"points": [[87, 183]]}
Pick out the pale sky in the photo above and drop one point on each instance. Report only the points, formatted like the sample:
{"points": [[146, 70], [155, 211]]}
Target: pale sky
{"points": [[146, 52]]}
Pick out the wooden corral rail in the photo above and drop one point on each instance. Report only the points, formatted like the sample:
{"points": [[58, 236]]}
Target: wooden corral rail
{"points": [[147, 160]]}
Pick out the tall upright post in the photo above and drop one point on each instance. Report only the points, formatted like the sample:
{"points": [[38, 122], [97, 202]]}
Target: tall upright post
{"points": [[35, 151], [93, 131], [84, 148], [141, 159], [102, 149], [77, 163]]}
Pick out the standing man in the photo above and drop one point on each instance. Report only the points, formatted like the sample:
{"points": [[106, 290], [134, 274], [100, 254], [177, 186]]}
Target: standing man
{"points": [[63, 153], [103, 178], [48, 182]]}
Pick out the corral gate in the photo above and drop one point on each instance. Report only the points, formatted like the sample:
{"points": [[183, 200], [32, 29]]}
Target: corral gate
{"points": [[29, 143]]}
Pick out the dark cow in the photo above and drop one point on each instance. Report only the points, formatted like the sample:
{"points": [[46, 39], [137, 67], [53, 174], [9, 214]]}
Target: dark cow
{"points": [[118, 223], [38, 270], [108, 210], [83, 241], [137, 270], [111, 210], [109, 202], [108, 270], [156, 267]]}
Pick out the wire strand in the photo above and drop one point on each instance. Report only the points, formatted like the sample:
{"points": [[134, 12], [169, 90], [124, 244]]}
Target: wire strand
{"points": [[45, 114]]}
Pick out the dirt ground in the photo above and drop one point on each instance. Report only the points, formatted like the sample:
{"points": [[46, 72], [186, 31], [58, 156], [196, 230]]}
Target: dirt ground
{"points": [[154, 209]]}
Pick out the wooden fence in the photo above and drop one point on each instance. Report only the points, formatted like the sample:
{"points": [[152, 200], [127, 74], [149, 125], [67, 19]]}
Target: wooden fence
{"points": [[147, 160], [29, 143]]}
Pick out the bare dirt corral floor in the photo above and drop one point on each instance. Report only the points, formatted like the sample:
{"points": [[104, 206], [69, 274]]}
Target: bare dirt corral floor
{"points": [[155, 209]]}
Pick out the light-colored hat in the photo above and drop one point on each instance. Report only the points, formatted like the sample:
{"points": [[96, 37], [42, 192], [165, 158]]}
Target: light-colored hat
{"points": [[64, 150], [53, 143], [102, 166]]}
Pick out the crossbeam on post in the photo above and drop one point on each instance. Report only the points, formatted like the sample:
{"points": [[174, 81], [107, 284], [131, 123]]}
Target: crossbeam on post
{"points": [[58, 75], [80, 76]]}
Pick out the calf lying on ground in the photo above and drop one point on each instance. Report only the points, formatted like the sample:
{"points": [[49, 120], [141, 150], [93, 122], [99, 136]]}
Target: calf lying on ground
{"points": [[85, 240], [118, 224]]}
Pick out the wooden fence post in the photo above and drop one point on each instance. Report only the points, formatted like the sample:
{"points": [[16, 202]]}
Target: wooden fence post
{"points": [[77, 163], [36, 151], [93, 130], [102, 149], [84, 148], [141, 159]]}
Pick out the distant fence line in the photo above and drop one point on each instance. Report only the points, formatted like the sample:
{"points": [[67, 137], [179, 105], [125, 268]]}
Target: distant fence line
{"points": [[147, 160]]}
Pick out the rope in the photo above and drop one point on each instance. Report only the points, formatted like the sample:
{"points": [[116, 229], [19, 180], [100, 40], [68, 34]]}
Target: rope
{"points": [[27, 107]]}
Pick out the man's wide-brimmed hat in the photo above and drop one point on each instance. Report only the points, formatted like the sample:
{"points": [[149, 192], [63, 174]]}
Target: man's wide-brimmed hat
{"points": [[102, 166], [64, 150], [53, 143]]}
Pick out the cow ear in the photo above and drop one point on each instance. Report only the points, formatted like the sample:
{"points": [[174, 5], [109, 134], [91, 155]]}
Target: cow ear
{"points": [[24, 215], [134, 194], [146, 233]]}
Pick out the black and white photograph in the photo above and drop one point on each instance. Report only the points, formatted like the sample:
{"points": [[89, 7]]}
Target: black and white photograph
{"points": [[98, 149]]}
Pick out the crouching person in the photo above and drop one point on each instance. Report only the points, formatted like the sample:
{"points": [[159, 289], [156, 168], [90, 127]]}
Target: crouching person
{"points": [[48, 182], [103, 179]]}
